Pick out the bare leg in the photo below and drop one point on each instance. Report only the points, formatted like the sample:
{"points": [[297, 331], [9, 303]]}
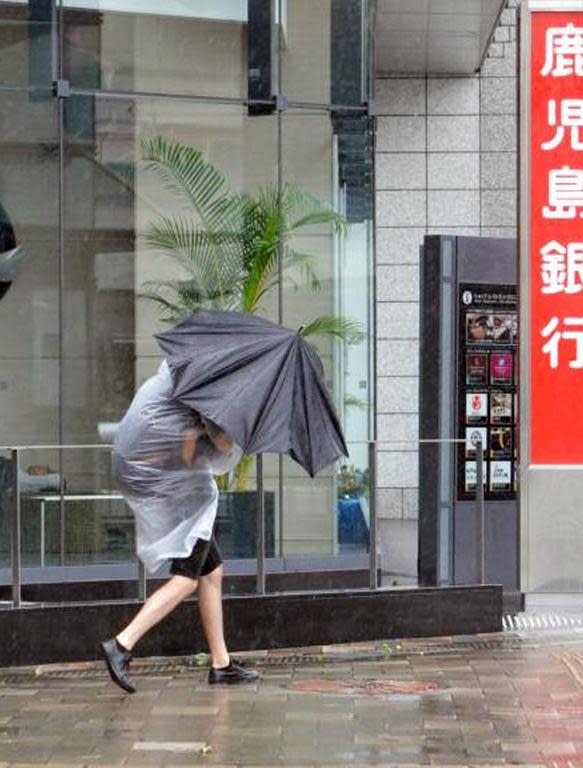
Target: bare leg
{"points": [[156, 607], [210, 606]]}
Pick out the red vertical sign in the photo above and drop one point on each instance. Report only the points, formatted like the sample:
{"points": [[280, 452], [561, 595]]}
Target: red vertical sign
{"points": [[556, 238]]}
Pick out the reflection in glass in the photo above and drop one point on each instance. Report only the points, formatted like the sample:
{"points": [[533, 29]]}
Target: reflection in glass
{"points": [[29, 311], [27, 44], [327, 516], [76, 332], [324, 51], [118, 204], [163, 48]]}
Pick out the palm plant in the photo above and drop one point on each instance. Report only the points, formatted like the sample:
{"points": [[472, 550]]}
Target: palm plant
{"points": [[229, 245]]}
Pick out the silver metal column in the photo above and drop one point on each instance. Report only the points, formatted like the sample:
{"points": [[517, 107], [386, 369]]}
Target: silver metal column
{"points": [[16, 532], [372, 471], [142, 582], [480, 560], [260, 528]]}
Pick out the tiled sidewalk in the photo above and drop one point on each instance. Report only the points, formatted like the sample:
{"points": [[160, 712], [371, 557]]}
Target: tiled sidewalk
{"points": [[493, 700]]}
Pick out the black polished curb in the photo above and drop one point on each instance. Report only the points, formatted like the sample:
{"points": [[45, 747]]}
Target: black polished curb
{"points": [[41, 635]]}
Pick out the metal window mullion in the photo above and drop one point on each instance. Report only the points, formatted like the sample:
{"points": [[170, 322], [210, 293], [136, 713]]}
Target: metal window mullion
{"points": [[61, 323], [372, 471], [260, 527], [281, 253], [16, 532]]}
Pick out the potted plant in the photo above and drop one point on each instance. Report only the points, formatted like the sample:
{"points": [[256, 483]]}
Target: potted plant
{"points": [[353, 491], [232, 249]]}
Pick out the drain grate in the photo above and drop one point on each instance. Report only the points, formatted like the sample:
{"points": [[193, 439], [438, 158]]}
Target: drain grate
{"points": [[515, 626], [542, 622]]}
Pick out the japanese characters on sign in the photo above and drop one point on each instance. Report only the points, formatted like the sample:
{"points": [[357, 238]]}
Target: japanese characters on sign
{"points": [[556, 238]]}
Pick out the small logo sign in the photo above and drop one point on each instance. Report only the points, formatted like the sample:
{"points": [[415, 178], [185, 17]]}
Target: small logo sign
{"points": [[467, 298]]}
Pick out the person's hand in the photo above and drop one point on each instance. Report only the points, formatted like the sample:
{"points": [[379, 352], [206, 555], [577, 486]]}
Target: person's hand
{"points": [[189, 446], [223, 443]]}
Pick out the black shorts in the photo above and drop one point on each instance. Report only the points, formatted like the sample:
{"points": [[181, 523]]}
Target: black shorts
{"points": [[204, 559]]}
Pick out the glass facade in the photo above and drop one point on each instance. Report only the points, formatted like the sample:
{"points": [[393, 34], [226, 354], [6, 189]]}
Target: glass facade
{"points": [[274, 95]]}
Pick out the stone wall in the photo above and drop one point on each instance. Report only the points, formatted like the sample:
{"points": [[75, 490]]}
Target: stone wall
{"points": [[446, 163]]}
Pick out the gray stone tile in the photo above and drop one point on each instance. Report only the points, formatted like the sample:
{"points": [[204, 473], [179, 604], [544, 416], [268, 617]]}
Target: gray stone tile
{"points": [[398, 469], [456, 231], [401, 134], [499, 170], [502, 35], [397, 357], [498, 96], [453, 134], [401, 171], [496, 49], [504, 232], [400, 96], [499, 208], [502, 67], [455, 209], [398, 428], [508, 17], [449, 170], [397, 283], [395, 245], [453, 96], [398, 320], [498, 133], [390, 503], [401, 209], [449, 7], [397, 395], [410, 504]]}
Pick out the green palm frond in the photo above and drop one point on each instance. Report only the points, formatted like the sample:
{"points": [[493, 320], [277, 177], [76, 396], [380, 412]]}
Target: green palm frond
{"points": [[352, 401], [303, 262], [172, 312], [213, 263], [263, 233], [204, 190], [302, 209], [191, 178], [343, 328], [228, 246]]}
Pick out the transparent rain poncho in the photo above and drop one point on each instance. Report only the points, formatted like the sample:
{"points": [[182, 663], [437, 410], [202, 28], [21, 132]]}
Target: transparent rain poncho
{"points": [[165, 462]]}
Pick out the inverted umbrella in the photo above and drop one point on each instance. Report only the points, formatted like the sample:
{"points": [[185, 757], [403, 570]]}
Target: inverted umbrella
{"points": [[261, 383]]}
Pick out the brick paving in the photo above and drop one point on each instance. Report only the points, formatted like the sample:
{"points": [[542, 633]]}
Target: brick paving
{"points": [[494, 700]]}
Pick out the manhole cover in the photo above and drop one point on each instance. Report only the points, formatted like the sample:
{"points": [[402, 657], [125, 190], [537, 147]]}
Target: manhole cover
{"points": [[364, 687]]}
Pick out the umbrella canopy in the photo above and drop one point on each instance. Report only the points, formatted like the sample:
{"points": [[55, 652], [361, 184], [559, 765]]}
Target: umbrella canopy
{"points": [[260, 382]]}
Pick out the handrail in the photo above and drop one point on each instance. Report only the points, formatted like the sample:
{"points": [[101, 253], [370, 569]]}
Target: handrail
{"points": [[373, 449], [53, 447]]}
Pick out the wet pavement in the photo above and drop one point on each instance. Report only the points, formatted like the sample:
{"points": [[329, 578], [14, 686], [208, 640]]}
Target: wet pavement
{"points": [[490, 700]]}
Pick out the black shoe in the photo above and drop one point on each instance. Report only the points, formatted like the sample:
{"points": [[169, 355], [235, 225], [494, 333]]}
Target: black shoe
{"points": [[232, 674], [118, 660]]}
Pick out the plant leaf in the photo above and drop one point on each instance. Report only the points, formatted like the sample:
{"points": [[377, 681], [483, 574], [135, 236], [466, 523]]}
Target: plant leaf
{"points": [[344, 328]]}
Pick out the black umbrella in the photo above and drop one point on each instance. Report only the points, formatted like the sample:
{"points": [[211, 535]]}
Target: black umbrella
{"points": [[261, 383]]}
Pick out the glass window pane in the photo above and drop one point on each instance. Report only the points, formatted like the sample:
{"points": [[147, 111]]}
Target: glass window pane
{"points": [[116, 200], [324, 51], [28, 33], [336, 251], [29, 277], [171, 47]]}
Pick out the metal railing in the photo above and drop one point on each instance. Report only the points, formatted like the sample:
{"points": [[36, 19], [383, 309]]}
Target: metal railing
{"points": [[15, 525], [16, 514]]}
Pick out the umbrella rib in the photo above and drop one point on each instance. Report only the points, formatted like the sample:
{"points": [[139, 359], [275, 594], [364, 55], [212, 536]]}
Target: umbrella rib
{"points": [[271, 394]]}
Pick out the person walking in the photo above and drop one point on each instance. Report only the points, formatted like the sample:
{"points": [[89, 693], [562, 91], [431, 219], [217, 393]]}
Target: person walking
{"points": [[166, 457]]}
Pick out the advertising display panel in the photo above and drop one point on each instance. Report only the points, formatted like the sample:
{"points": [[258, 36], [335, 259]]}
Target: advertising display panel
{"points": [[487, 384]]}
